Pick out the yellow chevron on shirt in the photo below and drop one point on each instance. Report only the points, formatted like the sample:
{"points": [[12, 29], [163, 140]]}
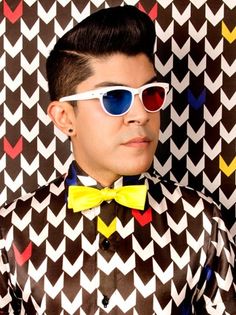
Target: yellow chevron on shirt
{"points": [[229, 36], [105, 230], [227, 169]]}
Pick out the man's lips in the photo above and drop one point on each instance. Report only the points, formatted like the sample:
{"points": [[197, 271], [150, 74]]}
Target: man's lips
{"points": [[137, 141]]}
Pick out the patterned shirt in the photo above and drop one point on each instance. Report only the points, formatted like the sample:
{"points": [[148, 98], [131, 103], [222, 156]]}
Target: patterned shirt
{"points": [[174, 258]]}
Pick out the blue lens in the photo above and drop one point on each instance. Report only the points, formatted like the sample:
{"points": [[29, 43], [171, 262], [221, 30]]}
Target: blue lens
{"points": [[117, 102]]}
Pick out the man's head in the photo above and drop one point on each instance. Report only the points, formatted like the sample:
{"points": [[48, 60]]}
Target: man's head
{"points": [[115, 30], [106, 65]]}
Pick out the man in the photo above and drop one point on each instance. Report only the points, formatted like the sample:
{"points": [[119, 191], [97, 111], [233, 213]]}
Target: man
{"points": [[137, 245]]}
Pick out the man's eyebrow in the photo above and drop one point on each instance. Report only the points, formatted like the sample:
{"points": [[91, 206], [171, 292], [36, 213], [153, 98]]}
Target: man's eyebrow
{"points": [[110, 83]]}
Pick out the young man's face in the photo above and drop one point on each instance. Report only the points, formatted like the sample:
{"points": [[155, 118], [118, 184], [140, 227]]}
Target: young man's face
{"points": [[107, 147]]}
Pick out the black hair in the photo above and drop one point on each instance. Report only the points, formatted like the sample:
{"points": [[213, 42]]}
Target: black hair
{"points": [[123, 29]]}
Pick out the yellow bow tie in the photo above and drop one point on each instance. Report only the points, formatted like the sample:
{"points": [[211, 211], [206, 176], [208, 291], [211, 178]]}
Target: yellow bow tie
{"points": [[83, 198]]}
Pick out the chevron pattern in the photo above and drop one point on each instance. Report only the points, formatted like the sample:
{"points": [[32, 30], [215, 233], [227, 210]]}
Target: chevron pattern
{"points": [[195, 53], [176, 257]]}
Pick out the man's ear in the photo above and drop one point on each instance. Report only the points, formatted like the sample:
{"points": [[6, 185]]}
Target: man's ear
{"points": [[63, 116]]}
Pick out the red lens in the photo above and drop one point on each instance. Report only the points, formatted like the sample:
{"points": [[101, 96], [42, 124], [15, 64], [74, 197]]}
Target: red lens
{"points": [[153, 98]]}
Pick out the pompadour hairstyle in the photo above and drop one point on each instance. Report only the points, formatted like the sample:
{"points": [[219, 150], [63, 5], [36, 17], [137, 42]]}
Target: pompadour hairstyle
{"points": [[124, 30]]}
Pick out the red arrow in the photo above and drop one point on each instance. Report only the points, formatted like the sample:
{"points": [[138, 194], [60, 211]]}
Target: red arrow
{"points": [[14, 15], [153, 12], [13, 151], [143, 218], [22, 258]]}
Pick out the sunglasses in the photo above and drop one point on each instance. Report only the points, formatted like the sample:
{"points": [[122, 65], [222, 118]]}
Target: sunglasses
{"points": [[117, 100]]}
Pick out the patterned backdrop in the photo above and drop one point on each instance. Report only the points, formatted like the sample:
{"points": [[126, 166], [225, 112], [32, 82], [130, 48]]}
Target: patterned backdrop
{"points": [[196, 44]]}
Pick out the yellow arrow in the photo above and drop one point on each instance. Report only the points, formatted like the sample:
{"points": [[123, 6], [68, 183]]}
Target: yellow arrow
{"points": [[104, 229], [230, 36], [227, 169]]}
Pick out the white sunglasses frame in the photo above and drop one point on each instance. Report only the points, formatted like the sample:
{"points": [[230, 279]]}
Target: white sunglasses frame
{"points": [[98, 94]]}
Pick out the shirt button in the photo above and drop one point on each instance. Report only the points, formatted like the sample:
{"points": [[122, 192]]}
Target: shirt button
{"points": [[105, 301], [105, 244]]}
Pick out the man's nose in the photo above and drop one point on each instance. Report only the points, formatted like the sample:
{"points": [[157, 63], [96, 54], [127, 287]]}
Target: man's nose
{"points": [[137, 113]]}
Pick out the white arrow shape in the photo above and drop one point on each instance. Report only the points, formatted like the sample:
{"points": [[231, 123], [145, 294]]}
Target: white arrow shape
{"points": [[71, 233], [173, 197], [197, 35], [29, 135], [38, 273], [116, 262], [48, 151], [164, 3], [36, 238], [198, 3], [227, 202], [227, 136], [195, 169], [71, 307], [195, 210], [90, 248], [145, 253], [226, 283], [214, 53], [57, 190], [145, 289], [180, 52], [195, 244], [2, 27], [126, 230], [40, 206], [5, 300], [42, 48], [212, 120], [195, 136], [163, 240], [183, 182], [179, 120], [180, 261], [13, 118], [196, 69], [164, 35], [181, 19], [178, 297], [48, 16], [61, 167], [166, 134], [206, 223], [29, 67], [228, 69], [59, 31], [167, 310], [12, 184], [57, 218], [211, 185], [163, 168], [163, 276], [213, 86], [164, 68], [42, 82], [29, 33], [43, 181], [158, 207], [230, 3], [179, 227], [179, 153], [40, 309], [13, 84], [15, 49], [212, 153], [53, 290], [72, 269], [29, 101], [214, 19], [77, 15], [22, 223], [42, 116], [193, 280], [55, 254], [228, 103]]}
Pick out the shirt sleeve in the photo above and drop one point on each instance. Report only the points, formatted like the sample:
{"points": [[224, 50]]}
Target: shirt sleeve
{"points": [[216, 288]]}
